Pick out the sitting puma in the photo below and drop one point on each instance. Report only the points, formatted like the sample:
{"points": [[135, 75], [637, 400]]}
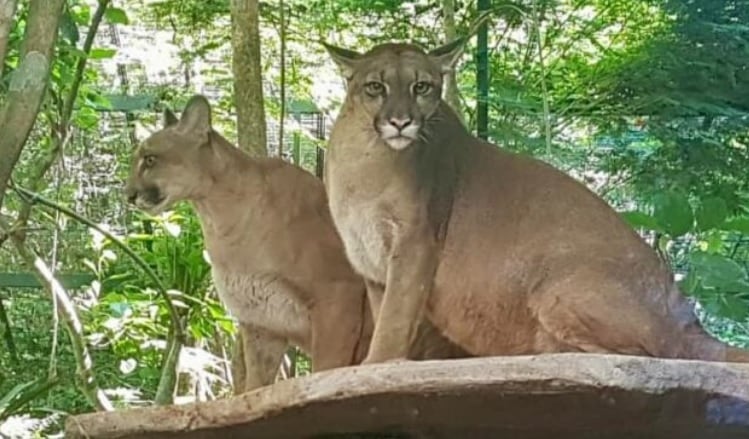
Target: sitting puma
{"points": [[277, 261], [504, 254]]}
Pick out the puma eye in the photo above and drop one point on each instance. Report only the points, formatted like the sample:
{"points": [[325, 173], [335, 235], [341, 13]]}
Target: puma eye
{"points": [[374, 88], [149, 160], [422, 88]]}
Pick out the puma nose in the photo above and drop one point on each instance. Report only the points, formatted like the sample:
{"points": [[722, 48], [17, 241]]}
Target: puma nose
{"points": [[400, 123]]}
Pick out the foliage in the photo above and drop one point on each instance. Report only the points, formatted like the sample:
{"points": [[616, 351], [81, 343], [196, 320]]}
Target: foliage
{"points": [[646, 105]]}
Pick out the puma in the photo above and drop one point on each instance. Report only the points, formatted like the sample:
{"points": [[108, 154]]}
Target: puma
{"points": [[503, 253], [277, 261]]}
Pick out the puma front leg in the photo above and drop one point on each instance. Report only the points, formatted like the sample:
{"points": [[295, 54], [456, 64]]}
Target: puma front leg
{"points": [[375, 293], [238, 367], [338, 324], [261, 357], [410, 274]]}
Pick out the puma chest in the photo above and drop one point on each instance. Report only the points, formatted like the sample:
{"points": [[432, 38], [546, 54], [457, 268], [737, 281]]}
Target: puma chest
{"points": [[264, 299], [367, 232], [370, 208]]}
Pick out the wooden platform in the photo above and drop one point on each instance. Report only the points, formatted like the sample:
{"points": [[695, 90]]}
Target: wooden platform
{"points": [[578, 396]]}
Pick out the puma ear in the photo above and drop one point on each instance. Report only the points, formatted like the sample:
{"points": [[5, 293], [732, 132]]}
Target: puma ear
{"points": [[344, 58], [448, 55], [196, 118], [169, 118]]}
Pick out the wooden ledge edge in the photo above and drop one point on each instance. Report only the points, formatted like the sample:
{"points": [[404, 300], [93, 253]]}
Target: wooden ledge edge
{"points": [[542, 374]]}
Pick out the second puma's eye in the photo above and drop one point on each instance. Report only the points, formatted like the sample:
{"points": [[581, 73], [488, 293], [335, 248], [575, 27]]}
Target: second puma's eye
{"points": [[422, 88], [374, 88]]}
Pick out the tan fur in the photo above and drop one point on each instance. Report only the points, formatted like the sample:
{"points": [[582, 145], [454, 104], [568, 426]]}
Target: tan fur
{"points": [[505, 254], [277, 260]]}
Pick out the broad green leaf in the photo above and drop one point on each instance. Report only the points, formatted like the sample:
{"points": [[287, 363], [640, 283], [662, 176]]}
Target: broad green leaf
{"points": [[116, 16], [738, 286], [102, 53], [638, 219], [740, 224], [673, 213], [711, 213], [734, 307], [717, 271]]}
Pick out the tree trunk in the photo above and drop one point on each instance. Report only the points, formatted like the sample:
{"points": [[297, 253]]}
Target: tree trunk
{"points": [[7, 11], [452, 95], [248, 86], [28, 85]]}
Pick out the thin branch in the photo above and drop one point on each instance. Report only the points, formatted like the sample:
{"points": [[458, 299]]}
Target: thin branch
{"points": [[69, 316]]}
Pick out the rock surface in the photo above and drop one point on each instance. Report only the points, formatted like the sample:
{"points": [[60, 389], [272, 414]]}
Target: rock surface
{"points": [[555, 396]]}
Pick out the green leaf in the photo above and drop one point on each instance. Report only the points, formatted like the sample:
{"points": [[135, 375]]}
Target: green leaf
{"points": [[712, 213], [740, 224], [690, 284], [102, 53], [81, 13], [86, 117], [119, 309], [717, 271], [21, 394], [714, 242], [6, 400], [116, 16], [673, 213], [68, 28], [226, 325], [638, 219], [733, 307]]}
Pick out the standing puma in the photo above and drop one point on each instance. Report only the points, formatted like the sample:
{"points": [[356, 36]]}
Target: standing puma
{"points": [[277, 260], [504, 254]]}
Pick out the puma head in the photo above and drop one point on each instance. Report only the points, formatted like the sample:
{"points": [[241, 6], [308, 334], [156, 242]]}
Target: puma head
{"points": [[398, 86], [169, 166]]}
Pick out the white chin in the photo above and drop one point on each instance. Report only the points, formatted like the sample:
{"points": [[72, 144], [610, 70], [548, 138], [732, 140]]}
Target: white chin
{"points": [[399, 143], [155, 209]]}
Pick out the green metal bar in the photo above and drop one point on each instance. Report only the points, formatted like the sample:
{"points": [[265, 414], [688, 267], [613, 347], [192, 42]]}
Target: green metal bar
{"points": [[28, 280], [296, 151], [482, 75]]}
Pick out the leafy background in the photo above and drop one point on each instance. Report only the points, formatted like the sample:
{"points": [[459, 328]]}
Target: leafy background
{"points": [[645, 101]]}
